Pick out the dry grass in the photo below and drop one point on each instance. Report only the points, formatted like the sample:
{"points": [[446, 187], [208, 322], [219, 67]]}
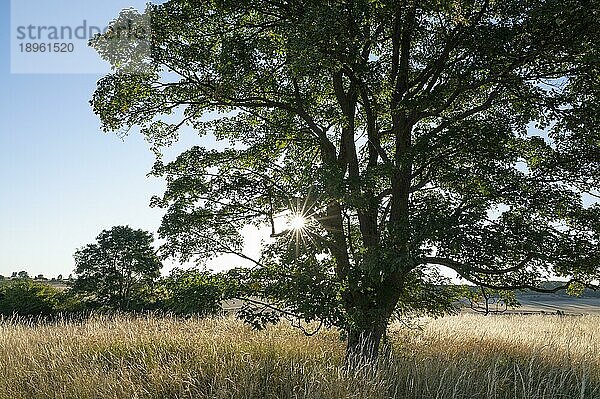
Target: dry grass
{"points": [[457, 357]]}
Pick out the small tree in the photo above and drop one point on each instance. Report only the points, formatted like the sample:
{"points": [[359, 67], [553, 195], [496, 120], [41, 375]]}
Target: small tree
{"points": [[490, 301], [119, 270]]}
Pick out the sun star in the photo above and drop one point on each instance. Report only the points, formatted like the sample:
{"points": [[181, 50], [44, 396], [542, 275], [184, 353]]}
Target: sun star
{"points": [[297, 222]]}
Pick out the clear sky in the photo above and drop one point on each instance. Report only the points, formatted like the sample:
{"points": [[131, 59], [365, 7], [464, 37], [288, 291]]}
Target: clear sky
{"points": [[62, 179]]}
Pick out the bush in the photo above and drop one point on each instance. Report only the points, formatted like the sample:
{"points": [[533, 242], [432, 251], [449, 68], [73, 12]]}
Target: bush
{"points": [[24, 297], [69, 302], [193, 292]]}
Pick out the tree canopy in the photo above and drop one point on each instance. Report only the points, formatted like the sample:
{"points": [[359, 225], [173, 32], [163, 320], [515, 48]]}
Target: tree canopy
{"points": [[406, 134], [119, 270]]}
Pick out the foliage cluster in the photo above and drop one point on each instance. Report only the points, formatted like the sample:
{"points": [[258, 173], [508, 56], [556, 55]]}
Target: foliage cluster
{"points": [[192, 292], [119, 272], [183, 292], [25, 297]]}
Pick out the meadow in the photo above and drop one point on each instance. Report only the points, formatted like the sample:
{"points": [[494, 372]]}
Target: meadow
{"points": [[465, 356]]}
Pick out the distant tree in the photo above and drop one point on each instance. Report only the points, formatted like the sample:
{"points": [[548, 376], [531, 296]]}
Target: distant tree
{"points": [[489, 301], [119, 270], [14, 275], [399, 135], [59, 277], [2, 277], [25, 297], [41, 277], [23, 274]]}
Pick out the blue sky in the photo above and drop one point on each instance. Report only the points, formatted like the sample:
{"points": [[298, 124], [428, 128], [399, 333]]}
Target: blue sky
{"points": [[62, 179]]}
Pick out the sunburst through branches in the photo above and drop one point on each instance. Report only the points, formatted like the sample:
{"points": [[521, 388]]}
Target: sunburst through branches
{"points": [[301, 223], [298, 222]]}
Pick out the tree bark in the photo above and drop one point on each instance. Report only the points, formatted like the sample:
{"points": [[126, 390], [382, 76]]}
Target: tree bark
{"points": [[363, 345]]}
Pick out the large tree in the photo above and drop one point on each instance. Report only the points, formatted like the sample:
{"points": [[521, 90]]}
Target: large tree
{"points": [[119, 270], [407, 134]]}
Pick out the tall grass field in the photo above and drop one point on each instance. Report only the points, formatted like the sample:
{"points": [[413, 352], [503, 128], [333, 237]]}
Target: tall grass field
{"points": [[466, 356]]}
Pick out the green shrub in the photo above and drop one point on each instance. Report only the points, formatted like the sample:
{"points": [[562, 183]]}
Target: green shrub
{"points": [[193, 292], [24, 297], [69, 302]]}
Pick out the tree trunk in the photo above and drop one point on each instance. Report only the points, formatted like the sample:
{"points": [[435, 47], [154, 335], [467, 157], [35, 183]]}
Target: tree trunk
{"points": [[363, 345]]}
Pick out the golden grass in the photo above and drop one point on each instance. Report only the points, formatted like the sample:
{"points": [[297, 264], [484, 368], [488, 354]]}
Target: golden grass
{"points": [[466, 356]]}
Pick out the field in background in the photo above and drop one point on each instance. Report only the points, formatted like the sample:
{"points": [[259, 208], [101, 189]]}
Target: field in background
{"points": [[467, 356], [553, 304], [587, 303]]}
